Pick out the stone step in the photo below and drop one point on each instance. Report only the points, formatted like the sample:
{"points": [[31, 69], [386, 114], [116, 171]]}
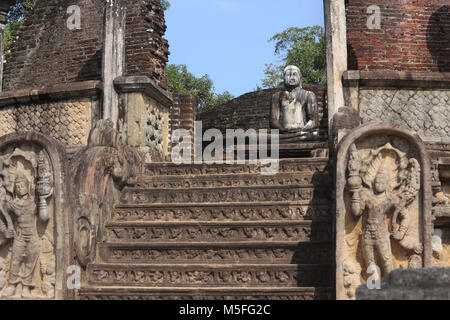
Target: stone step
{"points": [[240, 275], [285, 165], [217, 293], [226, 194], [247, 252], [225, 211], [232, 180], [146, 232]]}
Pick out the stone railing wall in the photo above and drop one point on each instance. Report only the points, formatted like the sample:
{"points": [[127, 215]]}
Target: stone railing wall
{"points": [[65, 113]]}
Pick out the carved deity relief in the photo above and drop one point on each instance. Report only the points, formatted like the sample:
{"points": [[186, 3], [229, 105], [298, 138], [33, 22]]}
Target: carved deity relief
{"points": [[27, 254], [382, 216]]}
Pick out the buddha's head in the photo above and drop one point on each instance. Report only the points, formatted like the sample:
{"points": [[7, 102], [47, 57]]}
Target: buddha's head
{"points": [[292, 76], [382, 180]]}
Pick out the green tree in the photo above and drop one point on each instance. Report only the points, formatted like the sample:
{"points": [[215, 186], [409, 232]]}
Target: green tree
{"points": [[180, 80], [165, 5], [303, 47], [15, 20]]}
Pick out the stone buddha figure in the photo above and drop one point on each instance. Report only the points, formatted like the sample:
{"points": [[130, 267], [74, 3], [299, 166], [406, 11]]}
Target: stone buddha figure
{"points": [[294, 110]]}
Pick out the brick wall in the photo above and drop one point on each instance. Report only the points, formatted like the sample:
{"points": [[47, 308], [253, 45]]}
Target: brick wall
{"points": [[146, 50], [414, 35], [252, 110], [183, 113], [48, 53]]}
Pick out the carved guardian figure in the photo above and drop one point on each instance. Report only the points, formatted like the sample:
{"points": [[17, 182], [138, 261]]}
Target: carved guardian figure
{"points": [[380, 189], [25, 248]]}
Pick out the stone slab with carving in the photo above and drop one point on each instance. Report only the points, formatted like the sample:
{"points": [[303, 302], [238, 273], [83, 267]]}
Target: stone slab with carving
{"points": [[383, 206], [411, 284], [33, 208]]}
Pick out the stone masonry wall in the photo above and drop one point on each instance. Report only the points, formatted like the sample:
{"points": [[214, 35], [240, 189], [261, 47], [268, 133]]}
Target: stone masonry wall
{"points": [[426, 112], [252, 110], [68, 121], [414, 35], [47, 53]]}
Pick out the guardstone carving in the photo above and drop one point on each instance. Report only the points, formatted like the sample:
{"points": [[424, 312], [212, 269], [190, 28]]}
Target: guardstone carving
{"points": [[381, 206], [32, 217], [22, 171]]}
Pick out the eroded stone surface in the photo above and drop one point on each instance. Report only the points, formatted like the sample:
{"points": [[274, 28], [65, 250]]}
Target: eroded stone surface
{"points": [[411, 284], [33, 207], [426, 112], [68, 121], [382, 223]]}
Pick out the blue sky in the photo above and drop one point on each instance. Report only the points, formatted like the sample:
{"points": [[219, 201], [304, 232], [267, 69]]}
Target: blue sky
{"points": [[227, 39]]}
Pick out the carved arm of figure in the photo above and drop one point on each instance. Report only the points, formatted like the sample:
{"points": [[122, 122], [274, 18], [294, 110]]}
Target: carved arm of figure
{"points": [[408, 195], [275, 114], [311, 112], [7, 230], [405, 220], [403, 227]]}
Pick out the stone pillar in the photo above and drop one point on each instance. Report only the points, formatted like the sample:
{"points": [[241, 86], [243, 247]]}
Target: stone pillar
{"points": [[113, 56], [336, 39]]}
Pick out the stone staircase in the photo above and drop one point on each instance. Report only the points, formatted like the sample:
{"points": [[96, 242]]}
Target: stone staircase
{"points": [[218, 232]]}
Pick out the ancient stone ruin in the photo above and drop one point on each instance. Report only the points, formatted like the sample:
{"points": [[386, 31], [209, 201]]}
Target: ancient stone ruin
{"points": [[94, 206]]}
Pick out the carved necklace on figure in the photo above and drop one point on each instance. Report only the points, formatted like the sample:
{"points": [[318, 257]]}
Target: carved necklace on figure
{"points": [[290, 95]]}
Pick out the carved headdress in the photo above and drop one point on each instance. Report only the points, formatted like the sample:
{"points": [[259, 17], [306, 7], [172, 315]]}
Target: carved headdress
{"points": [[20, 177]]}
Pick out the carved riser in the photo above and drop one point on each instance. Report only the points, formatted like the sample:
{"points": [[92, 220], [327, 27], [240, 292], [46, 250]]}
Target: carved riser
{"points": [[285, 165], [210, 276], [264, 231], [205, 294], [222, 212], [243, 194], [222, 253], [232, 180]]}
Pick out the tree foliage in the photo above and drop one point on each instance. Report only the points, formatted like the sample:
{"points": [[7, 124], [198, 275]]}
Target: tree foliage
{"points": [[303, 47], [15, 20], [165, 4], [180, 80]]}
